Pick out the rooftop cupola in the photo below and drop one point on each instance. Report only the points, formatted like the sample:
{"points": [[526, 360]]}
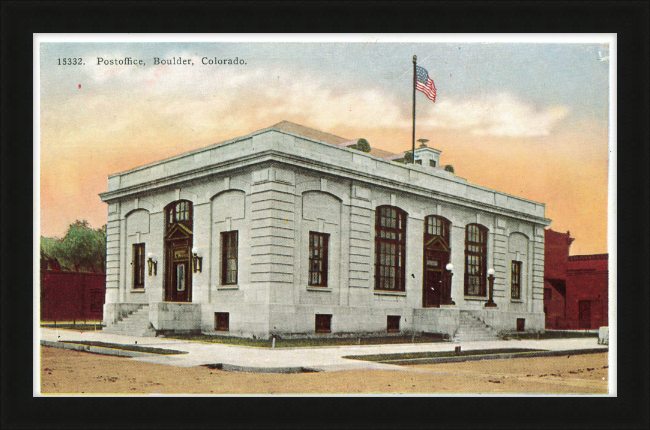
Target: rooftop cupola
{"points": [[427, 156]]}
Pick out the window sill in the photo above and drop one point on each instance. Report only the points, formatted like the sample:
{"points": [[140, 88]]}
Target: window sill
{"points": [[516, 300], [137, 291], [476, 298], [324, 289], [227, 287], [389, 293]]}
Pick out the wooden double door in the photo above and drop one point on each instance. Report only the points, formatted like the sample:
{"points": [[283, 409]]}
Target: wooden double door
{"points": [[178, 266], [435, 278]]}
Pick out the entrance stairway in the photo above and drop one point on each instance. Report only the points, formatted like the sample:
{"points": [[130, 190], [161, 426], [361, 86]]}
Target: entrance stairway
{"points": [[134, 324], [471, 328]]}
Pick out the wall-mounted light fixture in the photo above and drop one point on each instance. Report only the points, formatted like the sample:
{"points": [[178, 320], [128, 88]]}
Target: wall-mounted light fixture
{"points": [[446, 299], [197, 262], [152, 264], [490, 303]]}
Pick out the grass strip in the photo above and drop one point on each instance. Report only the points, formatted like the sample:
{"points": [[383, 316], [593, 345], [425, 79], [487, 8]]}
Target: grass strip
{"points": [[133, 348], [306, 343], [440, 354], [79, 327], [551, 335]]}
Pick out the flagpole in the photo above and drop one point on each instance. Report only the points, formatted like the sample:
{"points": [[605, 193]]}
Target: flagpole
{"points": [[415, 59]]}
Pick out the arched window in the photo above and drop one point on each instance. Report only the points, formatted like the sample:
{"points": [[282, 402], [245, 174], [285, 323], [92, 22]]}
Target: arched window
{"points": [[179, 212], [475, 259], [390, 248], [435, 226]]}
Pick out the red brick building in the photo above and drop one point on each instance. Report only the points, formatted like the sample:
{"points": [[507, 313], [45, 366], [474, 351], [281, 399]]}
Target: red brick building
{"points": [[575, 287]]}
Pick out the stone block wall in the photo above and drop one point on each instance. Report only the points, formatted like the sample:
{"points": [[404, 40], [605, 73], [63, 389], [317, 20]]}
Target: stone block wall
{"points": [[175, 316]]}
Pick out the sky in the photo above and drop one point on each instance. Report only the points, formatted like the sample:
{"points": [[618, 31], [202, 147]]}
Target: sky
{"points": [[525, 116]]}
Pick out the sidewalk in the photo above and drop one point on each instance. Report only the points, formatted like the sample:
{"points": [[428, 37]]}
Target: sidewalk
{"points": [[290, 360]]}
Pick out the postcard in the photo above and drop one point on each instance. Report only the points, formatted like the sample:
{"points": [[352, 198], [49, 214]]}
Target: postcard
{"points": [[376, 214]]}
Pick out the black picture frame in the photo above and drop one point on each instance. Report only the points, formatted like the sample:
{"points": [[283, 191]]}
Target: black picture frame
{"points": [[627, 19]]}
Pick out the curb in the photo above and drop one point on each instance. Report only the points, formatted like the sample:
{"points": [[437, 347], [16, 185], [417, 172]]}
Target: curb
{"points": [[494, 356], [250, 369], [97, 349]]}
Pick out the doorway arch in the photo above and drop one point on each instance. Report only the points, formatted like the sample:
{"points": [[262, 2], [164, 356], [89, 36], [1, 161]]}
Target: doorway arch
{"points": [[178, 251], [435, 282]]}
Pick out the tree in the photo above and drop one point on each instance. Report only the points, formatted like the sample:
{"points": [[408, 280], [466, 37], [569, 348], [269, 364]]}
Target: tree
{"points": [[449, 168], [361, 145], [83, 249]]}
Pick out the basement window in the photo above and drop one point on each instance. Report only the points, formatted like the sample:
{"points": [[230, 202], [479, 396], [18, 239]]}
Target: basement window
{"points": [[521, 322], [221, 321], [392, 323], [323, 323]]}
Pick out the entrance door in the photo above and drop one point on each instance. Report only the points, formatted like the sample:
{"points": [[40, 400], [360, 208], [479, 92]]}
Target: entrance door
{"points": [[178, 279], [584, 314], [432, 289]]}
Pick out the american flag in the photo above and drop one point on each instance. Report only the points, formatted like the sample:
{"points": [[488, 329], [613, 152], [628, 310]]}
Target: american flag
{"points": [[424, 83]]}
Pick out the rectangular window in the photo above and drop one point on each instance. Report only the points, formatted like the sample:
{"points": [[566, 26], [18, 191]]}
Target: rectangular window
{"points": [[515, 280], [437, 226], [392, 323], [432, 163], [323, 323], [475, 260], [180, 277], [229, 248], [182, 211], [318, 259], [221, 321], [138, 265], [390, 249], [418, 162]]}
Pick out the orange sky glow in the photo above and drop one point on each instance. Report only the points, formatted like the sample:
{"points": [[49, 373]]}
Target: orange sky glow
{"points": [[534, 145]]}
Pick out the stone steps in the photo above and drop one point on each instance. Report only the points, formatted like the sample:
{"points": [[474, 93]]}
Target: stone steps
{"points": [[134, 324], [471, 328]]}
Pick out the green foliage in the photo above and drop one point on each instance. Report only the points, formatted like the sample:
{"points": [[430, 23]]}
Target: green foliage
{"points": [[135, 348], [552, 334], [408, 157], [83, 249], [304, 343], [441, 354], [449, 168], [361, 145]]}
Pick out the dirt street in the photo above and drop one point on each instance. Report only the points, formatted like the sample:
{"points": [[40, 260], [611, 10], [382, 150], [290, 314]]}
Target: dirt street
{"points": [[73, 372]]}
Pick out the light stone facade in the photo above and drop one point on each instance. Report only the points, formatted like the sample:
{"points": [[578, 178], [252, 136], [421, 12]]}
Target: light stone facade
{"points": [[273, 188]]}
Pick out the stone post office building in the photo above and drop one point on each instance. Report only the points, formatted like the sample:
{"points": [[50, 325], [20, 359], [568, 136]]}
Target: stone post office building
{"points": [[289, 232]]}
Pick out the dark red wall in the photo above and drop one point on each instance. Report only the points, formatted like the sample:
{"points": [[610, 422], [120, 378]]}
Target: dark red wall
{"points": [[587, 281], [554, 304], [569, 280], [556, 254], [69, 296]]}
